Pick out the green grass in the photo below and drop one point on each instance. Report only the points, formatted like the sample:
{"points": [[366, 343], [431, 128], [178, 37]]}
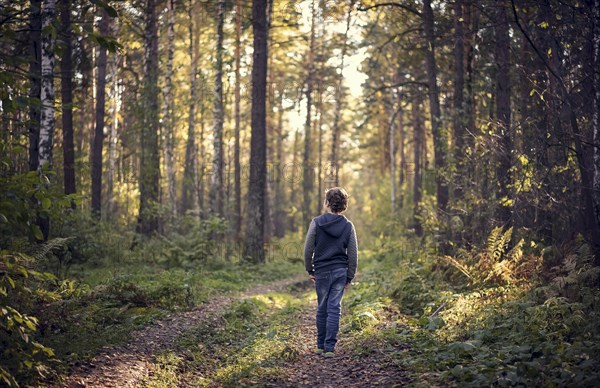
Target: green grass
{"points": [[111, 303], [245, 345]]}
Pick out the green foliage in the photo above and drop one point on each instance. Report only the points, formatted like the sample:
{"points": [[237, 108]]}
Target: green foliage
{"points": [[20, 287], [503, 329], [197, 244], [497, 263]]}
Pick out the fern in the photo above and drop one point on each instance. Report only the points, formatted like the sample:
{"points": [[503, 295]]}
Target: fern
{"points": [[41, 251]]}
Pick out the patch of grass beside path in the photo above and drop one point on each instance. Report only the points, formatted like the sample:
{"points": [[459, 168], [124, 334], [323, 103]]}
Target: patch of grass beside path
{"points": [[109, 304]]}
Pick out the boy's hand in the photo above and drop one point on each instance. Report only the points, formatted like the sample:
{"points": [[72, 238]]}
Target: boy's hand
{"points": [[347, 285], [312, 277]]}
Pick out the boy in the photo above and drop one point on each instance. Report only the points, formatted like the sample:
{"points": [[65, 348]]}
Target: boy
{"points": [[330, 258]]}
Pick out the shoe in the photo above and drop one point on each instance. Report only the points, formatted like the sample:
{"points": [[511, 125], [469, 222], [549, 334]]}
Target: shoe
{"points": [[319, 351], [329, 354]]}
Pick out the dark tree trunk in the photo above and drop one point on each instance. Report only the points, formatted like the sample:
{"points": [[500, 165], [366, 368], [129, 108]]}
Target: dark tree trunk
{"points": [[67, 99], [236, 151], [216, 187], [439, 140], [35, 75], [149, 160], [417, 179], [258, 163], [459, 82], [503, 113], [98, 143], [307, 165]]}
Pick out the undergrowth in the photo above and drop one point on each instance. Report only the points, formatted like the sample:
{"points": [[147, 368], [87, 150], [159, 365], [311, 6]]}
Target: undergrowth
{"points": [[482, 317]]}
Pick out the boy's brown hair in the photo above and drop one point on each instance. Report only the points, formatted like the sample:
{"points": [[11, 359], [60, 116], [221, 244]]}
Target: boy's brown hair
{"points": [[337, 198]]}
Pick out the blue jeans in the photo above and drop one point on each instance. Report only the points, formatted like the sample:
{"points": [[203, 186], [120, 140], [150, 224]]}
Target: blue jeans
{"points": [[330, 288]]}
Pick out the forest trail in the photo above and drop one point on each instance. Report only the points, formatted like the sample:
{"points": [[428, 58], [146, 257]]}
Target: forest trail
{"points": [[135, 364], [126, 365], [346, 369]]}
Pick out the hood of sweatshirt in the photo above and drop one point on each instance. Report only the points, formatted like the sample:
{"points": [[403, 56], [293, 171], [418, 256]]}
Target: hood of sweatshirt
{"points": [[332, 224]]}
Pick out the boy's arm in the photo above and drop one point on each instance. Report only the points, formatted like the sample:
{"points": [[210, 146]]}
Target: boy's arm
{"points": [[309, 247], [352, 255]]}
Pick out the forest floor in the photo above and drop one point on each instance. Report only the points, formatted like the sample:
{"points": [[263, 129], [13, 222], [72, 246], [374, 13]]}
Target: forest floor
{"points": [[263, 336]]}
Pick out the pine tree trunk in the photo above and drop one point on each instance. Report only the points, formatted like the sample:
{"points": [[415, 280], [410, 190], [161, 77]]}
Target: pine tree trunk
{"points": [[216, 189], [417, 180], [67, 99], [98, 143], [459, 81], [503, 90], [256, 190], [335, 132], [439, 141], [280, 172], [307, 167], [189, 191], [236, 151], [35, 74], [113, 138], [169, 123], [149, 160], [46, 139]]}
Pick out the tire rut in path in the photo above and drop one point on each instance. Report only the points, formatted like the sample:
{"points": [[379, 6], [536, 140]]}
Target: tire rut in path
{"points": [[126, 365]]}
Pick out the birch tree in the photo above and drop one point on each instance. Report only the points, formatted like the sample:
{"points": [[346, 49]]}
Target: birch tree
{"points": [[46, 139]]}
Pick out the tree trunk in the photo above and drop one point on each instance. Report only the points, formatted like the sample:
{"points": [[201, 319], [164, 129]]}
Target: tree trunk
{"points": [[216, 189], [258, 163], [503, 90], [98, 143], [596, 116], [280, 225], [169, 123], [67, 99], [417, 180], [439, 140], [307, 167], [35, 74], [149, 160], [113, 138], [335, 132], [236, 151], [459, 81], [46, 139], [190, 185]]}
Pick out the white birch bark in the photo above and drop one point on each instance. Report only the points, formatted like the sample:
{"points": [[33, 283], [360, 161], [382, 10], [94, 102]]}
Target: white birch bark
{"points": [[47, 88]]}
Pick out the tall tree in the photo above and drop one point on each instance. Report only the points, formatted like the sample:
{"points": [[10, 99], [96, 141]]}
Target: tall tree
{"points": [[236, 151], [417, 179], [66, 76], [216, 188], [439, 140], [169, 123], [307, 165], [98, 142], [335, 132], [503, 90], [149, 160], [258, 159], [35, 73], [46, 140], [190, 190], [459, 82]]}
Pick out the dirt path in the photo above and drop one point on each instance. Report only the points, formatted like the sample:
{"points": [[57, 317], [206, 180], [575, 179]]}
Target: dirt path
{"points": [[128, 364], [346, 369]]}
